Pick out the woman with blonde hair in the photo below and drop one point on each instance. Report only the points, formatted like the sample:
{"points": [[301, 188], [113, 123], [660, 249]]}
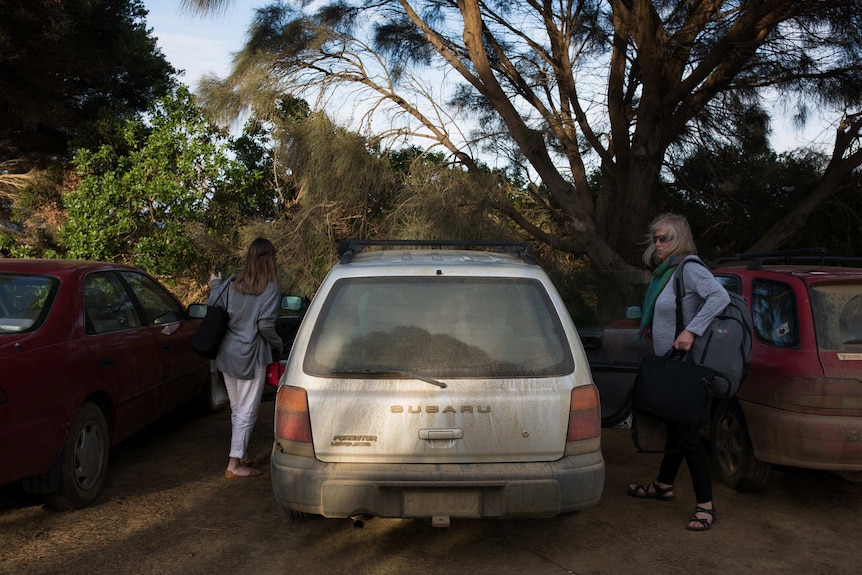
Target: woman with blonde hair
{"points": [[251, 300], [669, 243]]}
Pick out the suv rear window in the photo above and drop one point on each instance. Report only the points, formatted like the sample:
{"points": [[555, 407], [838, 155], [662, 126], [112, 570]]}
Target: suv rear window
{"points": [[837, 310], [438, 327]]}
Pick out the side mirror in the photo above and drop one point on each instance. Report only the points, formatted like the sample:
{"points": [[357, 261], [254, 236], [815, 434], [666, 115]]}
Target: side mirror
{"points": [[197, 310], [633, 312], [292, 303]]}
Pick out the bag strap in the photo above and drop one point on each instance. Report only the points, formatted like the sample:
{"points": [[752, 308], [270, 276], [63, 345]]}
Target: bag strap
{"points": [[679, 288], [679, 292], [225, 287]]}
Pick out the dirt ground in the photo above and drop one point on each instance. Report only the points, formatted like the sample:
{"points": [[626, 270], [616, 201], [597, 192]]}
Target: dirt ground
{"points": [[166, 508]]}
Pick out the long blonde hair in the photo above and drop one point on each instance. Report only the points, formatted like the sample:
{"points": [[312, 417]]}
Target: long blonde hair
{"points": [[681, 243], [260, 268]]}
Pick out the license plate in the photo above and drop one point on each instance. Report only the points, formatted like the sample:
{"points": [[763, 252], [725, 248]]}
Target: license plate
{"points": [[451, 503]]}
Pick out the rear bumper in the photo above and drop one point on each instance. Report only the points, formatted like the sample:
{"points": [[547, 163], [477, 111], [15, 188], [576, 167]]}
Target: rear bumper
{"points": [[832, 443], [465, 490]]}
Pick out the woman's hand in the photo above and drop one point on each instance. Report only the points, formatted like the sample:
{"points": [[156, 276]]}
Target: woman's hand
{"points": [[215, 276], [684, 340]]}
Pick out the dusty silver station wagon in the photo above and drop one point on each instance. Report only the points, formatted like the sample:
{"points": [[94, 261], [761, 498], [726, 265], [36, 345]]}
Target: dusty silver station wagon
{"points": [[438, 383]]}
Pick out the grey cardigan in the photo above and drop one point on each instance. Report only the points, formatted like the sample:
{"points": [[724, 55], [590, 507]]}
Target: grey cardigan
{"points": [[703, 300], [251, 331]]}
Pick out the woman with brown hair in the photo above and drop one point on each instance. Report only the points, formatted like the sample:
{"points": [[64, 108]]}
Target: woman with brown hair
{"points": [[251, 300]]}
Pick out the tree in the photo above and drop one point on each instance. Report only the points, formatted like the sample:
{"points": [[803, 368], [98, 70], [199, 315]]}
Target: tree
{"points": [[171, 203], [734, 190], [69, 71], [345, 186], [565, 88]]}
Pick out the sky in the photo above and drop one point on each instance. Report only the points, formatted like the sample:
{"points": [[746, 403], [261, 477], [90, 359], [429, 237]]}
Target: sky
{"points": [[202, 45], [199, 44]]}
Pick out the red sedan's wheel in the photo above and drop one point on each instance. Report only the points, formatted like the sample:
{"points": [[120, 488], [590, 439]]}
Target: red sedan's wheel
{"points": [[84, 461]]}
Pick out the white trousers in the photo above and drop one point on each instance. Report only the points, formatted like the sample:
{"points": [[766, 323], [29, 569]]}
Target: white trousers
{"points": [[244, 395]]}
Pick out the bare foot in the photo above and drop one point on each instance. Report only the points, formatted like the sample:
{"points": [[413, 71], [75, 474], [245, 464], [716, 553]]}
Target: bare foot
{"points": [[241, 471]]}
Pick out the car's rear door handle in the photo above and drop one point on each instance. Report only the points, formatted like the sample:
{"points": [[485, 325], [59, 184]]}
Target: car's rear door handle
{"points": [[107, 362]]}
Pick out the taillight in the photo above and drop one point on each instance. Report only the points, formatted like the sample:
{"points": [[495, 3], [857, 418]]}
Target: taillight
{"points": [[821, 393], [292, 423], [585, 421]]}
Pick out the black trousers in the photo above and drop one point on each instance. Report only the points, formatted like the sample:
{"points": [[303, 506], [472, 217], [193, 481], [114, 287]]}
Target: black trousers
{"points": [[684, 444]]}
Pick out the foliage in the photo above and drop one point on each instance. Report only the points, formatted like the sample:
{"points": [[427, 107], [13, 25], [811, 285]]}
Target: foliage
{"points": [[71, 73], [565, 90], [737, 188], [170, 204], [347, 188], [69, 69]]}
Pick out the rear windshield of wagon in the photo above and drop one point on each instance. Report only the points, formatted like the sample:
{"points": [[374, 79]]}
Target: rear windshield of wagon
{"points": [[837, 309], [438, 327]]}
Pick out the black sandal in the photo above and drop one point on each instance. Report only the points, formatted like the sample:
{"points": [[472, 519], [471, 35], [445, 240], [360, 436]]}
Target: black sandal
{"points": [[660, 493], [702, 524]]}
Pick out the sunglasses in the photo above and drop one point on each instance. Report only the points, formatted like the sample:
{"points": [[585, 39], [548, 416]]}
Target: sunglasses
{"points": [[663, 239]]}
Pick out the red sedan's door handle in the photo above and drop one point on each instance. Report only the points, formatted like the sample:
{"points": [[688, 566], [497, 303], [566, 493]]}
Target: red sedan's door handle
{"points": [[108, 362]]}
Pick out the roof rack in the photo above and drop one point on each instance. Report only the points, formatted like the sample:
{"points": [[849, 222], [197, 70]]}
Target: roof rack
{"points": [[794, 256], [347, 248]]}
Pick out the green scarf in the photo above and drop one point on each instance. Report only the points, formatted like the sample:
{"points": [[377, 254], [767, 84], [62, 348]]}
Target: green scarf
{"points": [[660, 277]]}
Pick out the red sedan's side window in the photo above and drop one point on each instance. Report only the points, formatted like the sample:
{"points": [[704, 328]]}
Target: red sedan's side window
{"points": [[107, 304], [25, 301], [773, 308], [158, 305]]}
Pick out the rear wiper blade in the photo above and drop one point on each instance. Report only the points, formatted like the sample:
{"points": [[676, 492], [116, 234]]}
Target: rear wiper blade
{"points": [[390, 373]]}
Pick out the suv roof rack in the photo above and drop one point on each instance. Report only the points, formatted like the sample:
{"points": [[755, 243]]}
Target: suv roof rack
{"points": [[346, 248], [795, 256]]}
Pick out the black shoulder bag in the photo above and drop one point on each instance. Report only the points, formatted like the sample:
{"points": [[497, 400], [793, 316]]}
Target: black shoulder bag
{"points": [[207, 339], [672, 386]]}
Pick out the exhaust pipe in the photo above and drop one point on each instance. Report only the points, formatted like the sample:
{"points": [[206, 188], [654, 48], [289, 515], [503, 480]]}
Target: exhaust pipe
{"points": [[359, 520]]}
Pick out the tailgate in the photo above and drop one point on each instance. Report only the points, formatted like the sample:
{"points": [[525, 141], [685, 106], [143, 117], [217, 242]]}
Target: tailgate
{"points": [[843, 365], [413, 421]]}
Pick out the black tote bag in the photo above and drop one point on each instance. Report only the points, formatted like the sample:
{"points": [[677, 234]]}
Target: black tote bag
{"points": [[207, 339], [673, 388]]}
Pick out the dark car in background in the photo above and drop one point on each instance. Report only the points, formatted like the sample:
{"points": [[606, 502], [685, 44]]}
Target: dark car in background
{"points": [[801, 404], [291, 311], [90, 353]]}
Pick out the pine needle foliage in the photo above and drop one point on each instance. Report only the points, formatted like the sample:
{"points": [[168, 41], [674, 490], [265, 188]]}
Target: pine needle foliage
{"points": [[347, 188]]}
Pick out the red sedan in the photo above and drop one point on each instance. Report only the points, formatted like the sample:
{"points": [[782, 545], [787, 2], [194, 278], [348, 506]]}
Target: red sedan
{"points": [[90, 353]]}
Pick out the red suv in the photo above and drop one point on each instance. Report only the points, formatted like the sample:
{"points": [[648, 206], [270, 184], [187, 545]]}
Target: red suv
{"points": [[801, 404]]}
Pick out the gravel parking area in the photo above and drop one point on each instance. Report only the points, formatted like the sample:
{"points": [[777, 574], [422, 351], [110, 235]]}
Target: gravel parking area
{"points": [[166, 508]]}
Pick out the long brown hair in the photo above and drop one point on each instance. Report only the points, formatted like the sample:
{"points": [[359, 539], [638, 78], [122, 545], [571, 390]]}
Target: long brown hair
{"points": [[259, 269]]}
